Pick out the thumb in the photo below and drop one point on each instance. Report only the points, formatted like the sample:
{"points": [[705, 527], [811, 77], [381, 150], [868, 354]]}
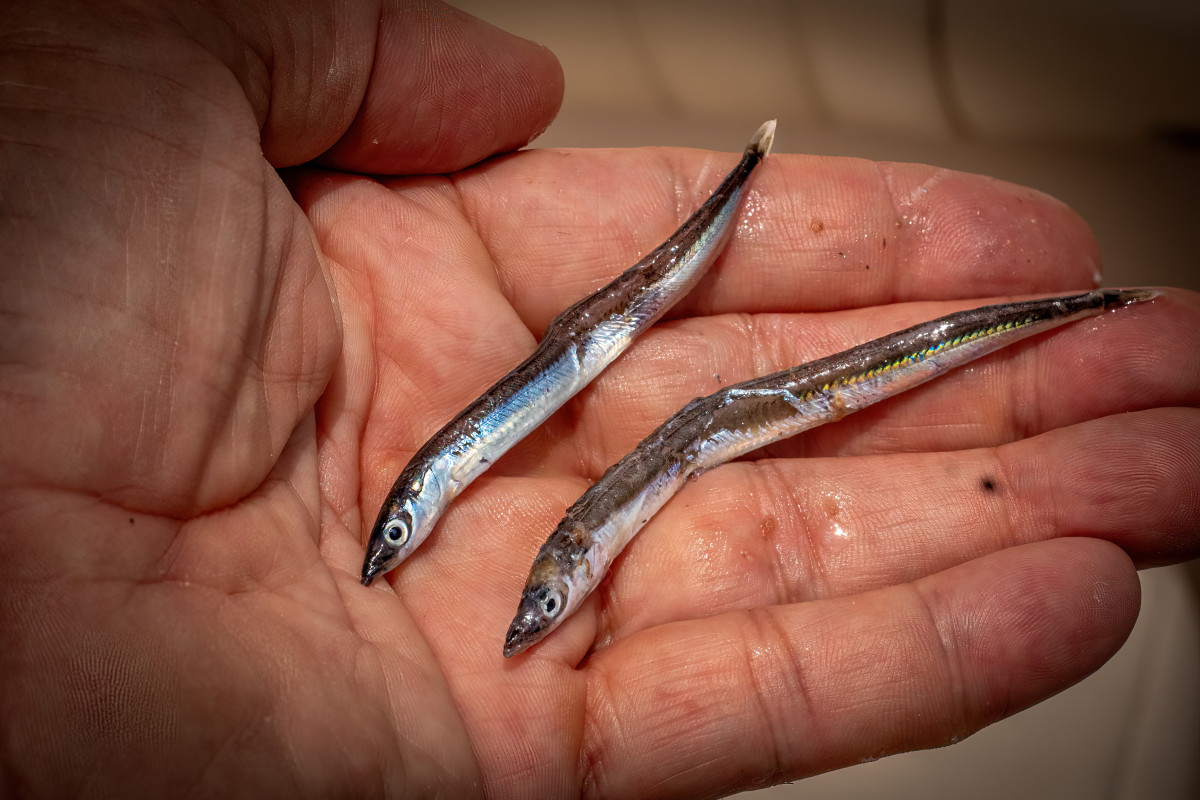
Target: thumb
{"points": [[399, 88]]}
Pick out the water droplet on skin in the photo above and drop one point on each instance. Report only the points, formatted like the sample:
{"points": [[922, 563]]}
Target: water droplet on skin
{"points": [[750, 222], [832, 505]]}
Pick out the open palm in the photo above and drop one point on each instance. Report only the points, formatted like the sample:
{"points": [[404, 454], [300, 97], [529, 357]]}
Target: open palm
{"points": [[210, 379]]}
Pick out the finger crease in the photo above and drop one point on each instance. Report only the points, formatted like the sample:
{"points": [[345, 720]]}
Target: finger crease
{"points": [[952, 682], [769, 655]]}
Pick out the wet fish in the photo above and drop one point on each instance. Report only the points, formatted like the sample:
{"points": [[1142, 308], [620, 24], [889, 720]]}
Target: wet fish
{"points": [[711, 430], [576, 346]]}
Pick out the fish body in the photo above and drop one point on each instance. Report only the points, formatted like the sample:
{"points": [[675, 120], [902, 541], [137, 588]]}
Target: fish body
{"points": [[575, 347], [711, 430]]}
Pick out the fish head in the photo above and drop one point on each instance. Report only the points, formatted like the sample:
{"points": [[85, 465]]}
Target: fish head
{"points": [[543, 606], [404, 522], [386, 547]]}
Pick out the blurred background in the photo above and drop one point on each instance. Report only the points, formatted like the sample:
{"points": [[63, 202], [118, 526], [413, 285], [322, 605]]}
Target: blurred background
{"points": [[1097, 103]]}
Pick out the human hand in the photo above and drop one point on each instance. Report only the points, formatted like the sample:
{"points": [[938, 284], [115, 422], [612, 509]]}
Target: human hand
{"points": [[209, 386]]}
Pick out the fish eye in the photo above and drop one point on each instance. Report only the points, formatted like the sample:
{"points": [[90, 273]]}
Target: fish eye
{"points": [[395, 532], [549, 600]]}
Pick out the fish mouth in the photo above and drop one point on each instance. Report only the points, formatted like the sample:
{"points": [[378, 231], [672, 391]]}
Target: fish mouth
{"points": [[513, 643], [527, 629], [370, 570], [376, 563]]}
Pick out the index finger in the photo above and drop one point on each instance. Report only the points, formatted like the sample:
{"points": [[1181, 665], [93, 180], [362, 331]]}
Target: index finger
{"points": [[816, 233]]}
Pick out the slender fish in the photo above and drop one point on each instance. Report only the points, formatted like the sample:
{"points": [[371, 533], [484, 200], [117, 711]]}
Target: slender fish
{"points": [[711, 430], [576, 346]]}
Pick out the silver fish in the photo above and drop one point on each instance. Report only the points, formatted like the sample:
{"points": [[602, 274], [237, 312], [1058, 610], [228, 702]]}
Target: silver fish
{"points": [[711, 430], [576, 346]]}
